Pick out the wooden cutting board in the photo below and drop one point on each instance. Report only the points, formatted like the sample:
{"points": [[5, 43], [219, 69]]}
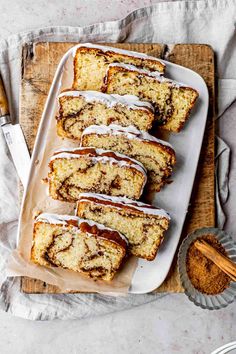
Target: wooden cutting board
{"points": [[39, 62]]}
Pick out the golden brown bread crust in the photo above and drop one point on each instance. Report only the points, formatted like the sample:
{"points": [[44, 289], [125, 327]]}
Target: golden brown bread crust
{"points": [[111, 235], [166, 117], [111, 57]]}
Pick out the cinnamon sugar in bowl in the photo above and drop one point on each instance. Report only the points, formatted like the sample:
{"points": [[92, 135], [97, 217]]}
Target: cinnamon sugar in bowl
{"points": [[204, 283]]}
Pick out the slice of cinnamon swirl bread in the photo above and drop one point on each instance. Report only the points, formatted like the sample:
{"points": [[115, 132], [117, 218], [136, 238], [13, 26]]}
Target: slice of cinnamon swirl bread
{"points": [[172, 101], [79, 245], [91, 61], [157, 156], [80, 109], [94, 170], [142, 224]]}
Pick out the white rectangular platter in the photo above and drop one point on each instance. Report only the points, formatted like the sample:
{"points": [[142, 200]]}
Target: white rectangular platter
{"points": [[174, 197]]}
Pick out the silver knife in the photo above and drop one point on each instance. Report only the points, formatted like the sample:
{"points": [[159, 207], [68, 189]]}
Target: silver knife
{"points": [[14, 139]]}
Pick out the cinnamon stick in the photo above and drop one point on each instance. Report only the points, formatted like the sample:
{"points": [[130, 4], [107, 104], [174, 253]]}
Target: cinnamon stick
{"points": [[221, 261]]}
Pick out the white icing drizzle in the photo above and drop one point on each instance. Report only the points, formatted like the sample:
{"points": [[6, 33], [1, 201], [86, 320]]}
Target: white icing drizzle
{"points": [[124, 201], [155, 74], [71, 153], [56, 219], [118, 51], [130, 132], [130, 101]]}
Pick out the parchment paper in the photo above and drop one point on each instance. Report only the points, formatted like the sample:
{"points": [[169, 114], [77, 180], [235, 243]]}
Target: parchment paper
{"points": [[37, 200], [165, 22]]}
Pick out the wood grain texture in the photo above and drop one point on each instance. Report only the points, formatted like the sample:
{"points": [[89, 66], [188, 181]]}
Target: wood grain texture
{"points": [[39, 62]]}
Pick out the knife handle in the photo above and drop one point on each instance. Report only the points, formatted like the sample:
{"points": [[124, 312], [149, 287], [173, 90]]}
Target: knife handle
{"points": [[4, 110]]}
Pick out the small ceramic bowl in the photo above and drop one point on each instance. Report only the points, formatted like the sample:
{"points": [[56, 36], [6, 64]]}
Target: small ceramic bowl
{"points": [[210, 302]]}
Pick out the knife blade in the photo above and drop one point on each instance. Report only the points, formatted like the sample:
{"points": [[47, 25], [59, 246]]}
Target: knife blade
{"points": [[14, 138]]}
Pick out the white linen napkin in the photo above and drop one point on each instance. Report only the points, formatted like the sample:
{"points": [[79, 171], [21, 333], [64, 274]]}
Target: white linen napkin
{"points": [[203, 21]]}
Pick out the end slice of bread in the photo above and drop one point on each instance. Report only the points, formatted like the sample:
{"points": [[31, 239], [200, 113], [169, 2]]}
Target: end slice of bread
{"points": [[91, 61], [142, 224], [79, 245]]}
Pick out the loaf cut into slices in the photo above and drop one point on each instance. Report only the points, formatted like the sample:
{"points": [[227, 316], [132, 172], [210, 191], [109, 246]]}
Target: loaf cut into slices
{"points": [[172, 101], [91, 61], [79, 245], [94, 170], [157, 156], [80, 109], [142, 224]]}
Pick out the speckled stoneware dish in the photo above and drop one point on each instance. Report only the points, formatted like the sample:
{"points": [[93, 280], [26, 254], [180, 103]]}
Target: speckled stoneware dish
{"points": [[210, 302]]}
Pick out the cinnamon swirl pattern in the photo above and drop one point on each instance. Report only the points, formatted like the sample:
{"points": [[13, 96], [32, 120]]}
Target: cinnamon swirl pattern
{"points": [[95, 170], [80, 109], [142, 224], [171, 100], [157, 156], [79, 245]]}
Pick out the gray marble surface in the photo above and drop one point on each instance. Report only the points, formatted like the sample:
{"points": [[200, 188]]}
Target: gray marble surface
{"points": [[171, 325]]}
